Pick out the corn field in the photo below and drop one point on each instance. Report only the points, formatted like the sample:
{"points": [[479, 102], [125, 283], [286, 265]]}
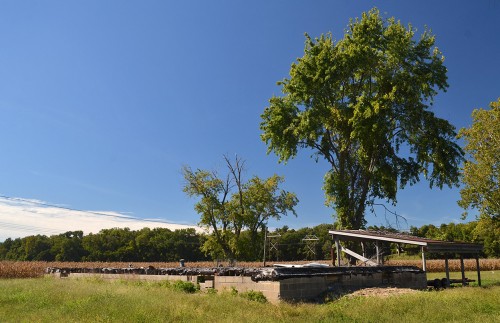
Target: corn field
{"points": [[437, 265], [33, 269]]}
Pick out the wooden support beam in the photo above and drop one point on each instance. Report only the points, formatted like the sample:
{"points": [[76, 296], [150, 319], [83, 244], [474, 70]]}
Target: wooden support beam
{"points": [[424, 264], [337, 246], [478, 270], [358, 256], [332, 256], [446, 267], [378, 252], [265, 243], [464, 280]]}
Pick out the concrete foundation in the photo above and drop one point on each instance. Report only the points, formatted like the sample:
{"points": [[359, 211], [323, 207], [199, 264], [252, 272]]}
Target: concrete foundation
{"points": [[288, 284]]}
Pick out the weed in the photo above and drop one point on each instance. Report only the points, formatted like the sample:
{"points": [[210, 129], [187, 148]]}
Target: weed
{"points": [[186, 287], [211, 291], [254, 296]]}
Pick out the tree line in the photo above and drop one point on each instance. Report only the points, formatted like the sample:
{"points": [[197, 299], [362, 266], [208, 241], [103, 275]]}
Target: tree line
{"points": [[117, 244], [164, 245]]}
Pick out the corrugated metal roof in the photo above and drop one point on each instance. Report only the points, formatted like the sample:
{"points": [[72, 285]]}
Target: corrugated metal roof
{"points": [[429, 244]]}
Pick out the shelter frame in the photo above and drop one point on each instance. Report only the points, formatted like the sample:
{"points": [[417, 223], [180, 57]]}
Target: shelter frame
{"points": [[426, 246]]}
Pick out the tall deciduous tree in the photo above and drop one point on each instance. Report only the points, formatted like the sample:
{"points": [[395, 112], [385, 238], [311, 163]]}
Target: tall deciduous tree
{"points": [[481, 172], [481, 175], [228, 205], [362, 104]]}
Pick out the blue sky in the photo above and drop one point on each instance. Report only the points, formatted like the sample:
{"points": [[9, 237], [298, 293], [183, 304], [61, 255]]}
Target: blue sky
{"points": [[103, 102]]}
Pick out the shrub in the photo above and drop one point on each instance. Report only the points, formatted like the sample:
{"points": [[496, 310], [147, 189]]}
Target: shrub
{"points": [[186, 287], [254, 296]]}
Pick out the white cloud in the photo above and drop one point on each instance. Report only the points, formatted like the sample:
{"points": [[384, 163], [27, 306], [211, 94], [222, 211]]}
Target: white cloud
{"points": [[21, 217]]}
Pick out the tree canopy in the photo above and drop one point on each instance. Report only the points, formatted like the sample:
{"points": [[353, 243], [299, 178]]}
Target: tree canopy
{"points": [[164, 245], [481, 171], [481, 175], [362, 104], [228, 205]]}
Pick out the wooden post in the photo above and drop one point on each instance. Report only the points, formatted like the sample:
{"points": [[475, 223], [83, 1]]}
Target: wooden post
{"points": [[423, 260], [462, 269], [265, 243], [337, 245], [446, 268], [363, 248], [378, 252], [332, 256], [478, 270]]}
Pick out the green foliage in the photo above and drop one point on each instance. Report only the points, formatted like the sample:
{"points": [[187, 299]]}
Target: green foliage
{"points": [[362, 104], [114, 244], [255, 296], [485, 231], [481, 172], [228, 206], [291, 247], [162, 244], [159, 244], [187, 287], [68, 246]]}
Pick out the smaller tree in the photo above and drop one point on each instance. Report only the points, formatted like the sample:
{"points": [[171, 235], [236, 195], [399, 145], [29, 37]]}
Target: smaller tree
{"points": [[228, 206], [481, 175], [481, 172]]}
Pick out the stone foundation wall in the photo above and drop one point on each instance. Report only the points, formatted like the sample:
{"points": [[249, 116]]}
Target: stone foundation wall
{"points": [[310, 288], [288, 289], [270, 289]]}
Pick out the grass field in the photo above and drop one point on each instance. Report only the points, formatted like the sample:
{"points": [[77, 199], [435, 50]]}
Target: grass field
{"points": [[94, 300]]}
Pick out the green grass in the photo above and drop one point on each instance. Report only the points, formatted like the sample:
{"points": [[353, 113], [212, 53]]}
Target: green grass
{"points": [[69, 300]]}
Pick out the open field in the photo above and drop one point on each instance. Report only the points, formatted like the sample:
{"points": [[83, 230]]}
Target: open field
{"points": [[97, 300], [32, 269], [85, 300]]}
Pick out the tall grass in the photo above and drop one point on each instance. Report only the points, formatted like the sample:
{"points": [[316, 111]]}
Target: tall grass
{"points": [[49, 300]]}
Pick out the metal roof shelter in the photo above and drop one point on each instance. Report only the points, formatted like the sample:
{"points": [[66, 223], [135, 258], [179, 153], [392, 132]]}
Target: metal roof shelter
{"points": [[426, 245]]}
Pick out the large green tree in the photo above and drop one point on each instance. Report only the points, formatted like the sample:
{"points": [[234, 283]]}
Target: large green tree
{"points": [[362, 104], [228, 205]]}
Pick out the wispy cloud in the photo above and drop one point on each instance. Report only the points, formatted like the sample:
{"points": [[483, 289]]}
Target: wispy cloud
{"points": [[23, 217]]}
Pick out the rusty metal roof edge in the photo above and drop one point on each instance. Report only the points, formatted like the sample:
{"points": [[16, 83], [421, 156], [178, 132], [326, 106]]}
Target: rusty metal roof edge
{"points": [[399, 238], [371, 236]]}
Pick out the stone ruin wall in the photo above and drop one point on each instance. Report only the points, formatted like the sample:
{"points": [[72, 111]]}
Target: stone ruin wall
{"points": [[276, 284]]}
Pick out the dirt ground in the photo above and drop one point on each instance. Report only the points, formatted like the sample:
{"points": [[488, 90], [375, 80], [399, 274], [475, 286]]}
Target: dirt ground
{"points": [[381, 292]]}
